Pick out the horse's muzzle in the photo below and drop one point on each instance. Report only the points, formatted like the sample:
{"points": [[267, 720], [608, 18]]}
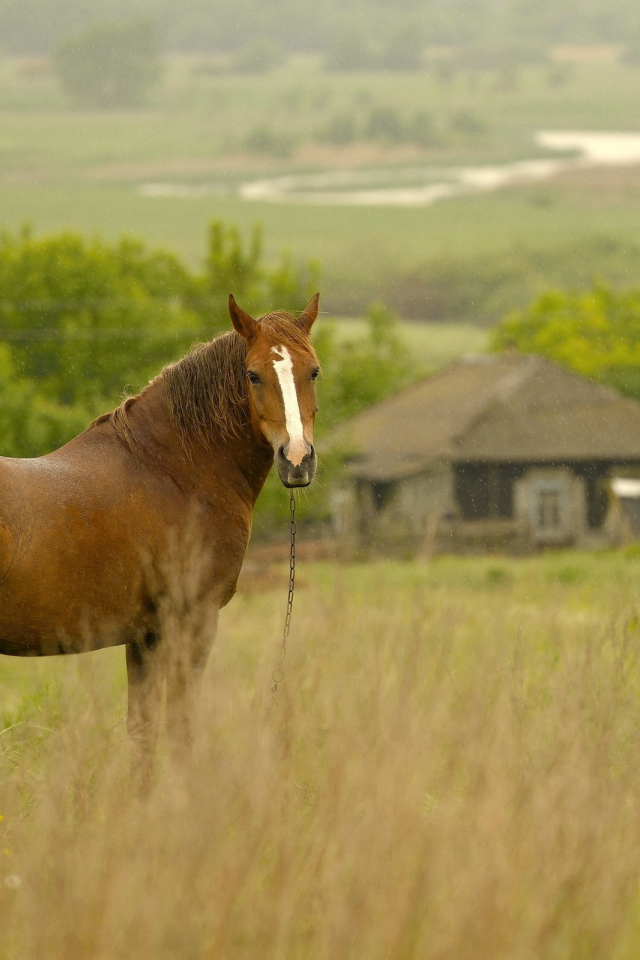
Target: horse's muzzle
{"points": [[300, 475]]}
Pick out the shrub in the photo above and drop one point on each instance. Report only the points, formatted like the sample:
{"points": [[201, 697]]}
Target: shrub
{"points": [[109, 64], [342, 128], [468, 122], [559, 74], [264, 140], [290, 284], [385, 124], [445, 71], [421, 130]]}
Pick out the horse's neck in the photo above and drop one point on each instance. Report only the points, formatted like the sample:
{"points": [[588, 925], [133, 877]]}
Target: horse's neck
{"points": [[240, 464]]}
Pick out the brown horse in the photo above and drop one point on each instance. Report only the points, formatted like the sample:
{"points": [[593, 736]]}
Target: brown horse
{"points": [[86, 531]]}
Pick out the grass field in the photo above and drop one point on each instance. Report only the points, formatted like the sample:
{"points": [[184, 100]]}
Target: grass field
{"points": [[451, 770], [356, 249]]}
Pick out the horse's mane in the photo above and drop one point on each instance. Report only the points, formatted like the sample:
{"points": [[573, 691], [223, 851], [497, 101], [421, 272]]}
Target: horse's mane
{"points": [[206, 390]]}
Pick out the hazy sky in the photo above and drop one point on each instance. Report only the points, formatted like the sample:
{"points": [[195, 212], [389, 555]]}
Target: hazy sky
{"points": [[32, 26]]}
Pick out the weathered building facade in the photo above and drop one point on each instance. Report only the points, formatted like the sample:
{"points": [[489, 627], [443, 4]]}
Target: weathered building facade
{"points": [[497, 452]]}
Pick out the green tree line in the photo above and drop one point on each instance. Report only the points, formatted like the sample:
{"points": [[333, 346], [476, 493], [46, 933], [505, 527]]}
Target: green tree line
{"points": [[482, 288]]}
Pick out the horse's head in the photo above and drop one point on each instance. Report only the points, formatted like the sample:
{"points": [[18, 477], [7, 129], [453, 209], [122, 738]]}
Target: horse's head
{"points": [[281, 369]]}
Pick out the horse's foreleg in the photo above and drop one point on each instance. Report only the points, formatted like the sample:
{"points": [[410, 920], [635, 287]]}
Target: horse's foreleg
{"points": [[145, 675], [185, 667]]}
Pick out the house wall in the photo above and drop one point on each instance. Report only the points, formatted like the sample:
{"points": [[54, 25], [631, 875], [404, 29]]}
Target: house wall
{"points": [[396, 518], [420, 515]]}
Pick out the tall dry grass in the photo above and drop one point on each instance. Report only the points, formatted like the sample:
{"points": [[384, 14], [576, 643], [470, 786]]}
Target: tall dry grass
{"points": [[451, 770]]}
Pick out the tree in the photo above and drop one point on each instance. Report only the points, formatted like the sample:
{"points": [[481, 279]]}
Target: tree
{"points": [[235, 266], [359, 372], [385, 125], [84, 318], [109, 64], [341, 128], [596, 334], [32, 424], [421, 130]]}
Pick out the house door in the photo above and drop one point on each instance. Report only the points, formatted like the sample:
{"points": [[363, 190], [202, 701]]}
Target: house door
{"points": [[549, 510]]}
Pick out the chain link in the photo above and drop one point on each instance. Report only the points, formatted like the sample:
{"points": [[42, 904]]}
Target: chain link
{"points": [[278, 674]]}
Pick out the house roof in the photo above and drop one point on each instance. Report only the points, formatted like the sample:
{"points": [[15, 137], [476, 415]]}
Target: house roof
{"points": [[496, 408]]}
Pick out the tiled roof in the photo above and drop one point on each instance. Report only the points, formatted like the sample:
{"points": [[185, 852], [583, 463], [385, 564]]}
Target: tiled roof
{"points": [[504, 407]]}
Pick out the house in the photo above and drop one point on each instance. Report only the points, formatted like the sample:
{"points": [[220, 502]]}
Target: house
{"points": [[496, 452]]}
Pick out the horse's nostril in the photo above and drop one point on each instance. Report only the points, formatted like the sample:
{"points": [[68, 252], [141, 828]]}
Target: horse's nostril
{"points": [[312, 450], [281, 451]]}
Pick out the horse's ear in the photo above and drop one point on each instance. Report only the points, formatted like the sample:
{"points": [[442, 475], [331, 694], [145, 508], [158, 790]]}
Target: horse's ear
{"points": [[309, 314], [245, 325]]}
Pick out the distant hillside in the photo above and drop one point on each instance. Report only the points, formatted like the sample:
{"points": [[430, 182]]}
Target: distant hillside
{"points": [[32, 26]]}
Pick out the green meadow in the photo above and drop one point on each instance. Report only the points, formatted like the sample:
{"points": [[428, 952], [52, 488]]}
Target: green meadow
{"points": [[344, 240]]}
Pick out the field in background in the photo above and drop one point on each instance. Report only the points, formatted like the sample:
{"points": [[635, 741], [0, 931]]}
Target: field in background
{"points": [[451, 770], [357, 241], [431, 345], [60, 168], [201, 118]]}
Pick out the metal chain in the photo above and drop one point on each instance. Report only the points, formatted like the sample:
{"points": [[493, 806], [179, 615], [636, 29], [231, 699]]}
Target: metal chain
{"points": [[278, 674]]}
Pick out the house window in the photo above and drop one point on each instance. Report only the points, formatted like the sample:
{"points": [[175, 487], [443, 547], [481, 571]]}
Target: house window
{"points": [[472, 490], [485, 490], [549, 513], [382, 494]]}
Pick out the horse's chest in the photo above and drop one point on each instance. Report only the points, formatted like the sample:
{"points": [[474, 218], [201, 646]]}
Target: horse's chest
{"points": [[226, 558]]}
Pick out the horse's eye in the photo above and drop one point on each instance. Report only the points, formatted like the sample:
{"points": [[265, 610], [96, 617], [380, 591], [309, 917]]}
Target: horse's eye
{"points": [[314, 375], [253, 377]]}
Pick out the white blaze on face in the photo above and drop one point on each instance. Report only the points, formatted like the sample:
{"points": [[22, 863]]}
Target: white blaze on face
{"points": [[284, 371]]}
